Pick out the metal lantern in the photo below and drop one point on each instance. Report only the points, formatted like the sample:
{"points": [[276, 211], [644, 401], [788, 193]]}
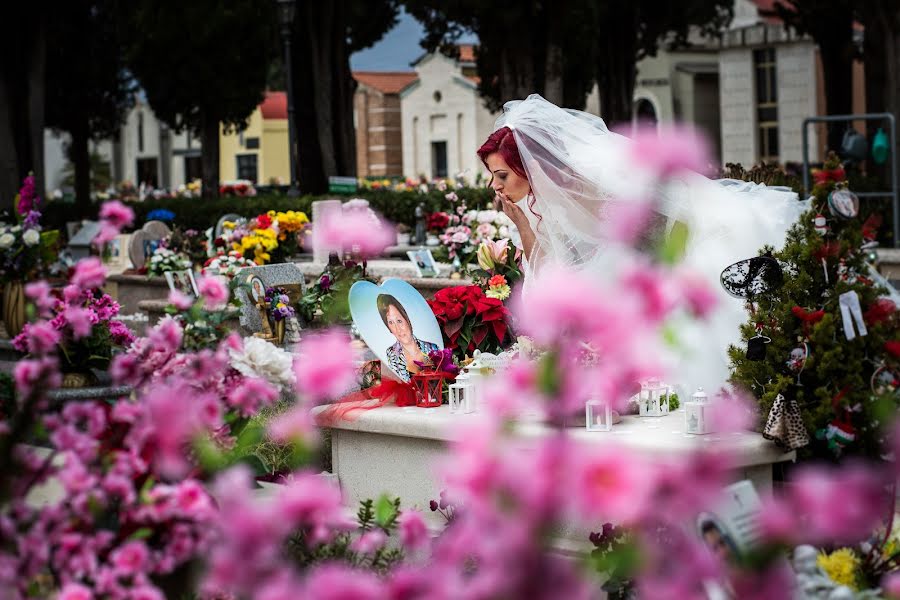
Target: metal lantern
{"points": [[597, 415], [653, 401], [429, 388], [696, 419], [462, 396]]}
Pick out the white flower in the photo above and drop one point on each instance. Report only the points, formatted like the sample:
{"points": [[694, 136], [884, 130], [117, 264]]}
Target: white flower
{"points": [[487, 216], [259, 358], [503, 219], [7, 240], [31, 237]]}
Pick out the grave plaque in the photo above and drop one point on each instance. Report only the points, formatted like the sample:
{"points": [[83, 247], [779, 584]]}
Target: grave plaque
{"points": [[283, 275]]}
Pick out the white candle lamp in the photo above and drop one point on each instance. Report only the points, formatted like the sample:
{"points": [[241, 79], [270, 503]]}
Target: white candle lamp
{"points": [[696, 419], [653, 400], [597, 415], [462, 395]]}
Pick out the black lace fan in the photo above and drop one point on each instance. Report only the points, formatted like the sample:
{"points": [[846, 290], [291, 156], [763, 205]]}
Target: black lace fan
{"points": [[752, 277]]}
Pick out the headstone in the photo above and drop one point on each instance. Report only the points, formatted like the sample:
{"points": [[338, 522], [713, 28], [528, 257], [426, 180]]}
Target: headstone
{"points": [[284, 275], [144, 239], [320, 209], [220, 224], [157, 230], [80, 244]]}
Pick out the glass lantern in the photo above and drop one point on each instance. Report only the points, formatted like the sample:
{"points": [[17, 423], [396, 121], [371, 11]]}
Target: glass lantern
{"points": [[429, 389], [461, 393], [696, 419], [597, 415], [653, 401]]}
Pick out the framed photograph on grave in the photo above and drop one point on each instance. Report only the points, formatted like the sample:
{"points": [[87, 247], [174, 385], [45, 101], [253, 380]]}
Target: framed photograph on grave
{"points": [[257, 288], [424, 262], [396, 323], [182, 281], [150, 247], [116, 252]]}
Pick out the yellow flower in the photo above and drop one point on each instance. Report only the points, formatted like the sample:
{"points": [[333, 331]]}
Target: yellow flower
{"points": [[227, 225], [842, 566]]}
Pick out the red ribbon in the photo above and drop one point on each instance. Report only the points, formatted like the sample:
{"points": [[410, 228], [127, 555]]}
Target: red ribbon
{"points": [[825, 175], [389, 390], [809, 318]]}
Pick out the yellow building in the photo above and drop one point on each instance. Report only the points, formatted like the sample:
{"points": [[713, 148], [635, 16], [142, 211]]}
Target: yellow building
{"points": [[260, 152]]}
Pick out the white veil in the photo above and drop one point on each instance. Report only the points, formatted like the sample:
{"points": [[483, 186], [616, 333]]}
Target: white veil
{"points": [[578, 170]]}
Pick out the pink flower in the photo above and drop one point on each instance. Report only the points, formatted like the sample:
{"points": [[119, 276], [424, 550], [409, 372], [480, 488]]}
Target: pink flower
{"points": [[130, 558], [369, 541], [180, 300], [668, 149], [335, 582], [214, 291], [146, 592], [649, 286], [166, 336], [358, 230], [120, 333], [325, 367], [611, 483], [116, 214], [39, 293], [192, 499], [250, 394], [732, 412], [80, 320], [89, 273], [891, 585], [697, 293], [626, 220], [37, 338], [413, 531], [294, 425], [312, 502], [29, 373], [75, 591]]}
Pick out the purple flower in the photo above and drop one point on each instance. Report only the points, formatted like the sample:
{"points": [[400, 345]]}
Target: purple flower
{"points": [[28, 198], [325, 283]]}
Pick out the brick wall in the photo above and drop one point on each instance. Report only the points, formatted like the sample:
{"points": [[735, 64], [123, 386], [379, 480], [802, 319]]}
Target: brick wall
{"points": [[795, 68], [379, 144]]}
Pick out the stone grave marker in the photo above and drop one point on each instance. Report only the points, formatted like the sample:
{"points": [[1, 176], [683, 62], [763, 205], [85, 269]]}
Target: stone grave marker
{"points": [[284, 275], [152, 231], [80, 244], [220, 224]]}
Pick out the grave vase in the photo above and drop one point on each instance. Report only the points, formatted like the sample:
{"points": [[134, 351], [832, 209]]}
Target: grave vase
{"points": [[14, 307], [279, 332]]}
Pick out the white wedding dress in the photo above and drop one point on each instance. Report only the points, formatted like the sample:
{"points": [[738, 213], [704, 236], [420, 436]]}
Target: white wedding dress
{"points": [[578, 170]]}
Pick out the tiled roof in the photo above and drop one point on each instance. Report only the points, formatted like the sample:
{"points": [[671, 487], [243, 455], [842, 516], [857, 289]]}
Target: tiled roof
{"points": [[274, 106], [386, 82]]}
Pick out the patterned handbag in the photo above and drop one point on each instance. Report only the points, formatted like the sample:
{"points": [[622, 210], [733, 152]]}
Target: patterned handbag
{"points": [[785, 425]]}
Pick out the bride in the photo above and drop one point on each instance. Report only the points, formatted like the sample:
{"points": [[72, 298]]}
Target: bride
{"points": [[558, 174]]}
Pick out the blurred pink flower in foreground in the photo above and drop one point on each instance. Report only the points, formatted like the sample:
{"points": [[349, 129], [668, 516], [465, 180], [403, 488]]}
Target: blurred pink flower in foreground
{"points": [[612, 483], [180, 300], [413, 532], [625, 221], [214, 291], [113, 217], [669, 149], [325, 366], [357, 230], [89, 273]]}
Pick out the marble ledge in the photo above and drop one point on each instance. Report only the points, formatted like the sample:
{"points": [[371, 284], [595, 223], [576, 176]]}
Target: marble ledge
{"points": [[651, 435]]}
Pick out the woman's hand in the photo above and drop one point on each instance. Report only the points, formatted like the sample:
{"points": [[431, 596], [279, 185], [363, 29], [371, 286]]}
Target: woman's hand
{"points": [[511, 210]]}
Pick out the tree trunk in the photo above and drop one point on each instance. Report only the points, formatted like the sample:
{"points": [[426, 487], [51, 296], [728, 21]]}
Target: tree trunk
{"points": [[209, 158], [617, 72], [37, 82], [79, 155], [835, 40], [342, 100], [553, 73]]}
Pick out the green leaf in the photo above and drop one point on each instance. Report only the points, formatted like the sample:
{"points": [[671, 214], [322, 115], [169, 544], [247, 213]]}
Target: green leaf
{"points": [[254, 462], [385, 511], [141, 534], [673, 247]]}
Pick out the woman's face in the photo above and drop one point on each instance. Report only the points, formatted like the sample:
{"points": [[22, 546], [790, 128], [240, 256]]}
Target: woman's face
{"points": [[398, 325], [504, 180]]}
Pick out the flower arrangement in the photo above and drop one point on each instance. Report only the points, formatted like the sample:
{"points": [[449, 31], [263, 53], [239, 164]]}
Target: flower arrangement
{"points": [[25, 249], [237, 187], [469, 228], [327, 300], [470, 320], [436, 222], [165, 259], [268, 237], [82, 328], [279, 305], [226, 264], [498, 268]]}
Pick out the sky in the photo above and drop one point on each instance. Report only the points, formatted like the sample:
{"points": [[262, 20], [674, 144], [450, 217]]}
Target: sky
{"points": [[397, 49]]}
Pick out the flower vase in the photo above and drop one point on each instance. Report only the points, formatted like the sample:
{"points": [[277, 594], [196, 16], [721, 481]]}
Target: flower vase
{"points": [[14, 307], [279, 332], [78, 380]]}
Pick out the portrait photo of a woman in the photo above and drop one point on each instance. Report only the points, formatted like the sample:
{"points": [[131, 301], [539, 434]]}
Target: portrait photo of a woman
{"points": [[408, 349]]}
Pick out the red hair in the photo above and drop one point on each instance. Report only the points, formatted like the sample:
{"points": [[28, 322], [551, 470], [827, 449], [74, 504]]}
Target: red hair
{"points": [[503, 142]]}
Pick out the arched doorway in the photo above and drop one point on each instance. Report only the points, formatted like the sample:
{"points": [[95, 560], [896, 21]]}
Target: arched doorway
{"points": [[645, 112]]}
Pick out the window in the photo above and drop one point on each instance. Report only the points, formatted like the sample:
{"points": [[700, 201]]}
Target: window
{"points": [[766, 103], [645, 113], [147, 171], [193, 168], [247, 167], [438, 159], [251, 143], [140, 132]]}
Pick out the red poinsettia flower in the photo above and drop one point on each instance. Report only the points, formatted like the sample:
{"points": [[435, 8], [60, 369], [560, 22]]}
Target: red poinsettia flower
{"points": [[264, 221], [437, 221], [465, 312]]}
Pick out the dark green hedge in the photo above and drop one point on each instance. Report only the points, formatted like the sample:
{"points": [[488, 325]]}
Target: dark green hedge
{"points": [[197, 213]]}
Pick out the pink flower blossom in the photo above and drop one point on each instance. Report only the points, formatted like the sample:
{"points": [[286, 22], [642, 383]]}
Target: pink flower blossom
{"points": [[891, 585], [314, 503], [325, 367], [669, 149], [251, 394], [180, 300], [359, 231], [120, 333], [627, 220], [89, 273], [146, 592], [116, 214], [166, 336], [696, 293], [294, 425], [651, 291], [37, 338], [214, 291], [29, 373], [80, 321], [39, 293], [611, 483], [733, 412], [130, 558], [75, 591], [369, 542], [335, 582], [413, 531]]}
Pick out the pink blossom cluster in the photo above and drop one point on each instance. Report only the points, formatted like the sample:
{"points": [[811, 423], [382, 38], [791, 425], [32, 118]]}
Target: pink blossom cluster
{"points": [[114, 216], [356, 230]]}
